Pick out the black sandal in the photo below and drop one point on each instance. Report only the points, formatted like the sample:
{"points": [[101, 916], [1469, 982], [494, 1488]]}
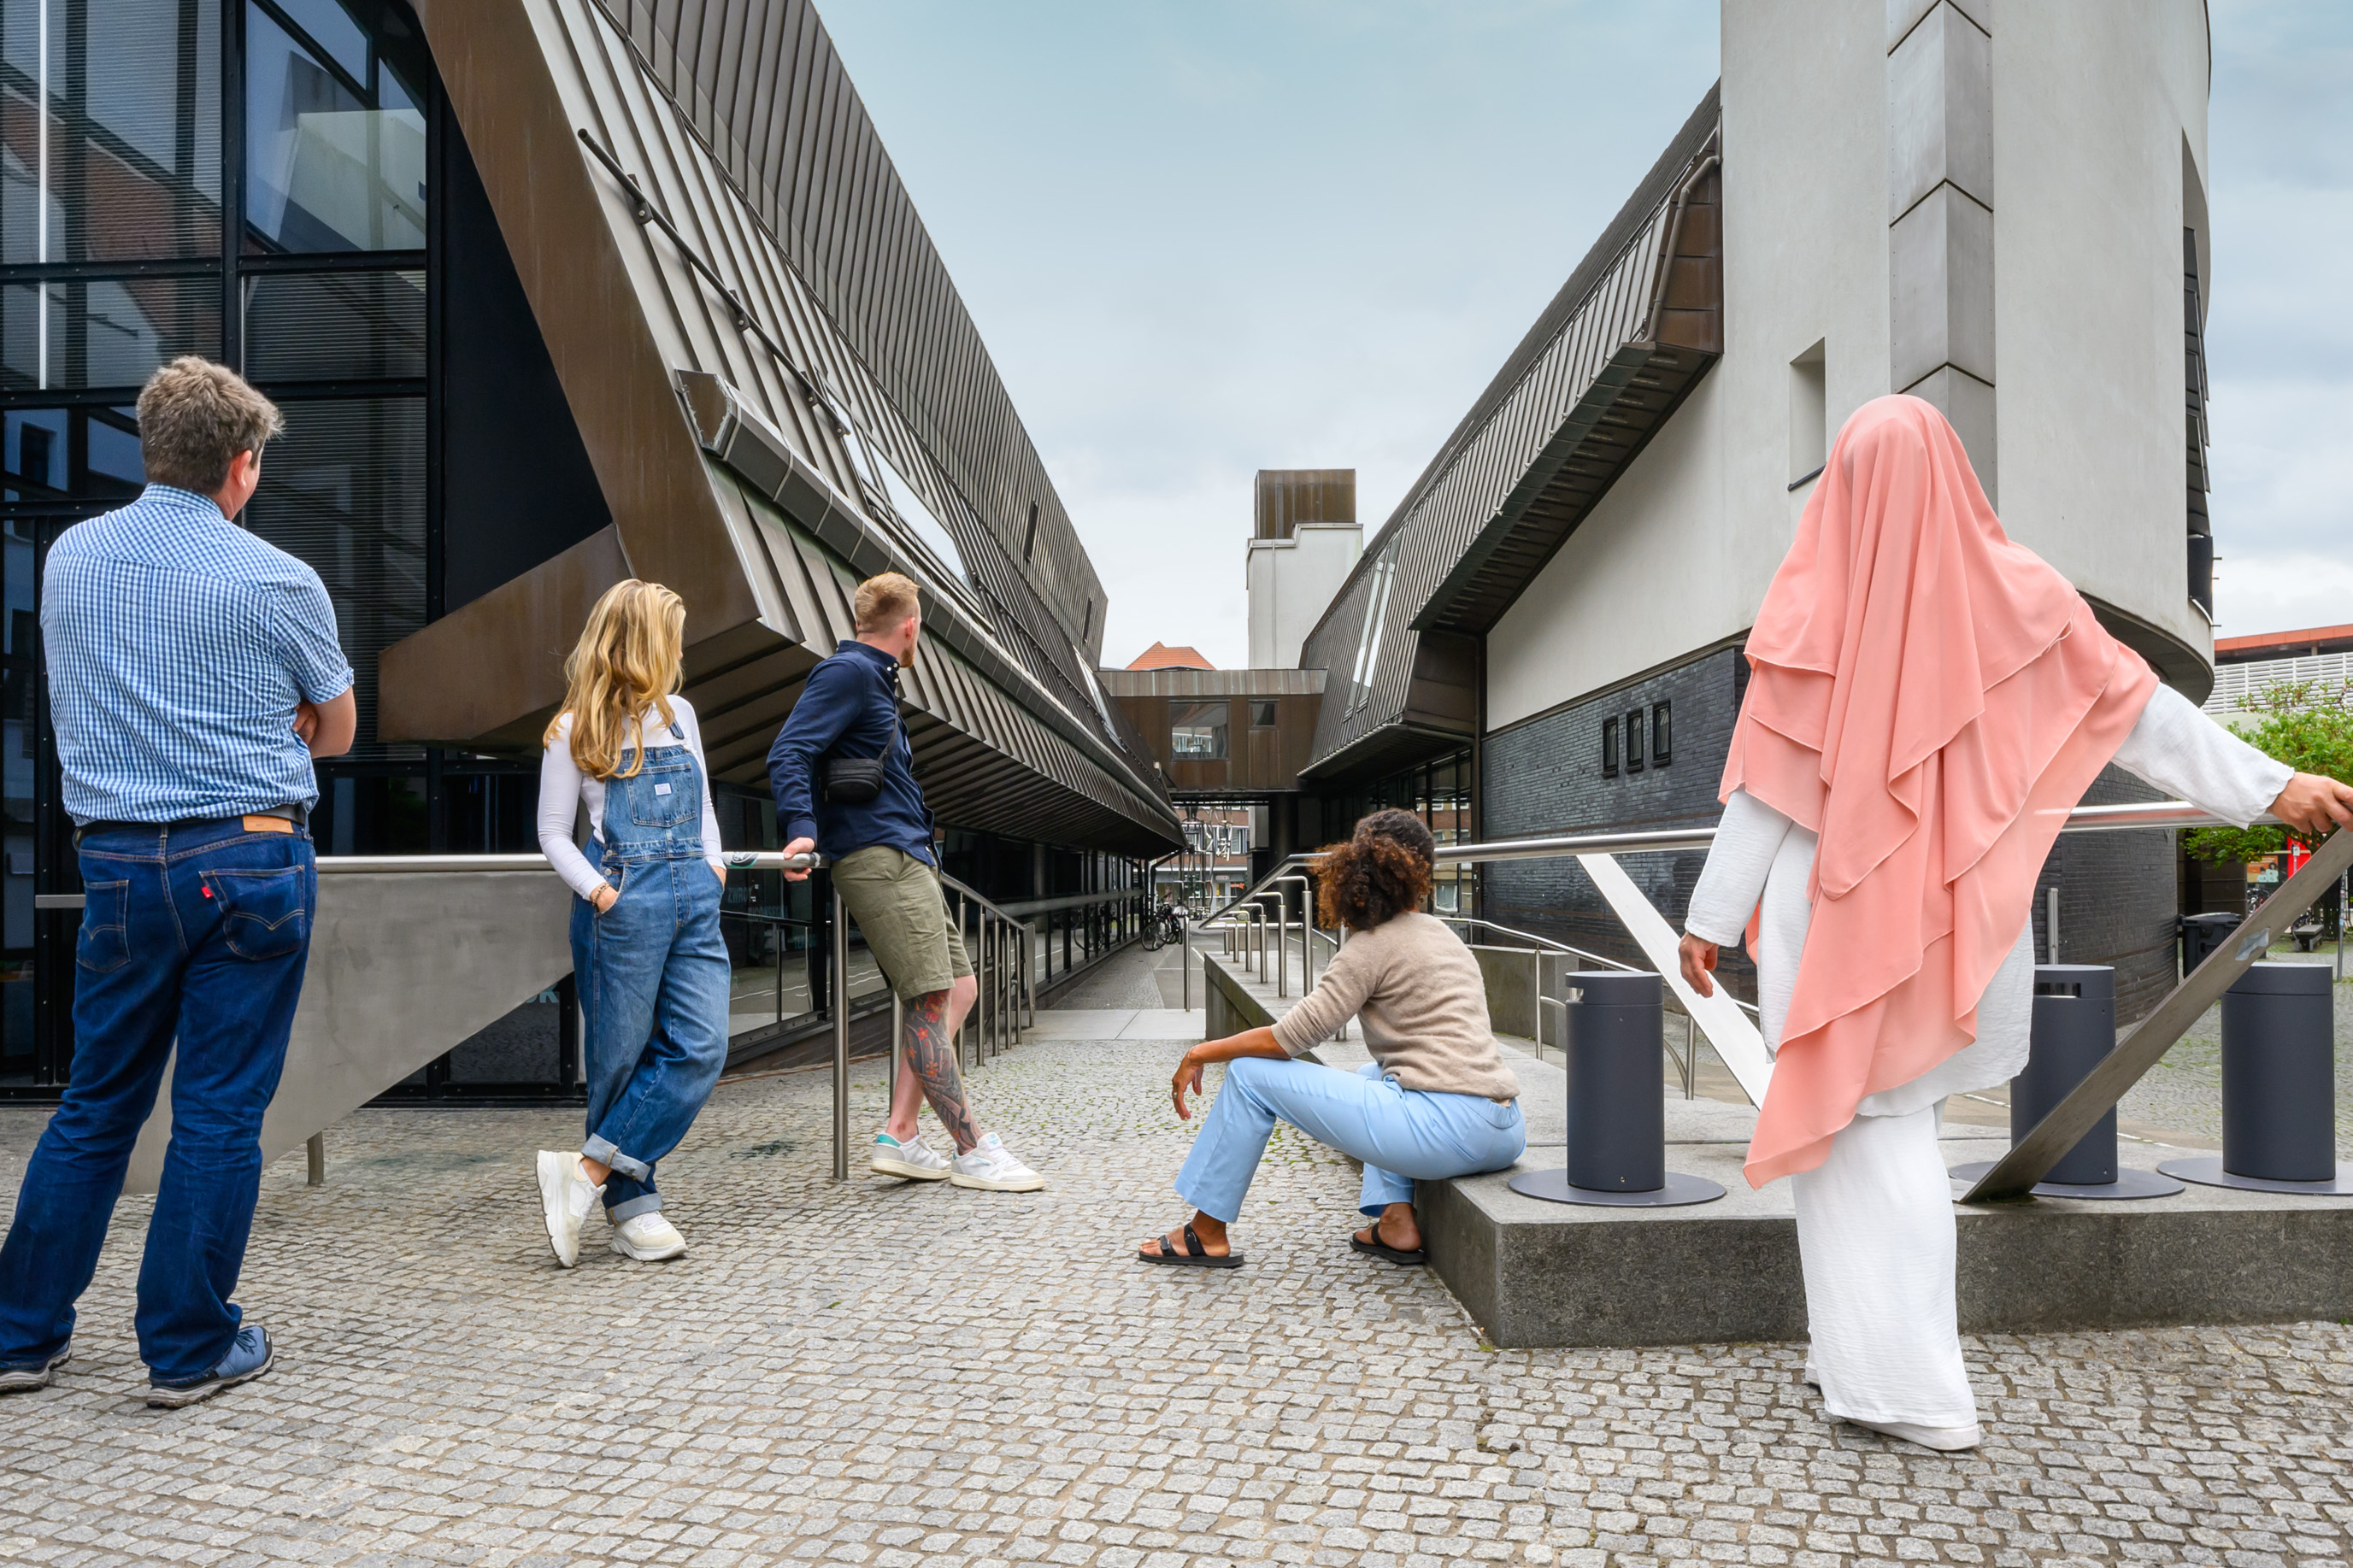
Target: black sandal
{"points": [[1193, 1257], [1376, 1247]]}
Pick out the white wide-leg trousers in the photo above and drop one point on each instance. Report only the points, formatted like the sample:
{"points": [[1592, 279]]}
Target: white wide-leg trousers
{"points": [[1877, 1236]]}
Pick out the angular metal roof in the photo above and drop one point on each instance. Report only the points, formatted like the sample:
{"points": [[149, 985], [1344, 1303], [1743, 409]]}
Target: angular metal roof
{"points": [[708, 258], [1636, 325]]}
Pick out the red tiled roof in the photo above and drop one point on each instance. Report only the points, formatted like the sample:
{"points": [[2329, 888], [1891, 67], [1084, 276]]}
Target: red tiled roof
{"points": [[2230, 650], [1160, 656]]}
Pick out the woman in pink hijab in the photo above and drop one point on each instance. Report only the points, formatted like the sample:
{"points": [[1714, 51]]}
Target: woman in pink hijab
{"points": [[1927, 701]]}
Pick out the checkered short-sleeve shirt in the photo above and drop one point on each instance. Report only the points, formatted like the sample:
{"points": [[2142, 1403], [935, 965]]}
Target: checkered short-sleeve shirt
{"points": [[177, 646]]}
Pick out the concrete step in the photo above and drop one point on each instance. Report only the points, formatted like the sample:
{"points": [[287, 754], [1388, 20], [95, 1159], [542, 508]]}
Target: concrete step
{"points": [[1533, 1273]]}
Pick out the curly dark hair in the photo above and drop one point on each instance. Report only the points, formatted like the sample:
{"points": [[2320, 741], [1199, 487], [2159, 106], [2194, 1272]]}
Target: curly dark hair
{"points": [[1382, 871]]}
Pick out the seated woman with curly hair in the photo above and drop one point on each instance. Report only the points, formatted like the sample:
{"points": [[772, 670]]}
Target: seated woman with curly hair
{"points": [[1436, 1100]]}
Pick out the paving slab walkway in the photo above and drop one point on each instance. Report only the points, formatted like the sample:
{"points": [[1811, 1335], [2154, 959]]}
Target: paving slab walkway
{"points": [[885, 1374]]}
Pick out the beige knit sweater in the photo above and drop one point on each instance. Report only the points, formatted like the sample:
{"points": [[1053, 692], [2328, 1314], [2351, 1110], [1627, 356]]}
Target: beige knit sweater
{"points": [[1417, 989]]}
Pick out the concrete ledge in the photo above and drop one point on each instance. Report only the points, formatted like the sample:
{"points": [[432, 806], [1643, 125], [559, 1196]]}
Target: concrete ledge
{"points": [[1533, 1273]]}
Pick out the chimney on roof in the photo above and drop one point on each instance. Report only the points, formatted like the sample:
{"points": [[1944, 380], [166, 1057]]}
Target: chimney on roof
{"points": [[1305, 540], [1289, 497]]}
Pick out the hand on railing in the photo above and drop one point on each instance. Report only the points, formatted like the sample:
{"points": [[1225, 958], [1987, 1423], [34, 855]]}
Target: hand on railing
{"points": [[800, 846]]}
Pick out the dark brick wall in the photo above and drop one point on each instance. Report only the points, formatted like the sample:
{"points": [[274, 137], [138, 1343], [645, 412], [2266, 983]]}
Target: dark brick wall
{"points": [[2118, 897], [1543, 775]]}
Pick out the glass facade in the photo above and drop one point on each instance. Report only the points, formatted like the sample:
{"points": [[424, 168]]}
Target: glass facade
{"points": [[279, 217]]}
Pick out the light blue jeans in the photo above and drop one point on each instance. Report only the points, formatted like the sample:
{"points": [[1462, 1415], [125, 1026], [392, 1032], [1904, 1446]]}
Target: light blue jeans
{"points": [[1402, 1136]]}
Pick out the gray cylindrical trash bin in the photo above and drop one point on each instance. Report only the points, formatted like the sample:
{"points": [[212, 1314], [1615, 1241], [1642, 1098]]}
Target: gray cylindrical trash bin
{"points": [[1617, 1078], [1617, 1103], [2075, 1027], [2201, 934], [2279, 1074]]}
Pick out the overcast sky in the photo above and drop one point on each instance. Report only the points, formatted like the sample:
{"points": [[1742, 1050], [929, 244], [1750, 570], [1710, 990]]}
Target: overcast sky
{"points": [[1210, 237]]}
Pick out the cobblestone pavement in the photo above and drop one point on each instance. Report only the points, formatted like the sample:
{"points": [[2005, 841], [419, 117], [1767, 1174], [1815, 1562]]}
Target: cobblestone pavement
{"points": [[881, 1375]]}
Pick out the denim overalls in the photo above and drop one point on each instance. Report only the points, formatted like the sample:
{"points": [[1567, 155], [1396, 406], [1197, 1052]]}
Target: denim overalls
{"points": [[652, 975]]}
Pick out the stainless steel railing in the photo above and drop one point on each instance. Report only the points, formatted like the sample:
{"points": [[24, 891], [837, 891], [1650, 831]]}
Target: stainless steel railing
{"points": [[1243, 912], [1006, 1004]]}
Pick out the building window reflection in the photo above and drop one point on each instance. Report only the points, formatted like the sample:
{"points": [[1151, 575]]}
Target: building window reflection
{"points": [[1196, 732], [335, 142]]}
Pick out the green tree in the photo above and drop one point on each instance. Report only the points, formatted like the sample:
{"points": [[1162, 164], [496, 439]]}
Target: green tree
{"points": [[2308, 725]]}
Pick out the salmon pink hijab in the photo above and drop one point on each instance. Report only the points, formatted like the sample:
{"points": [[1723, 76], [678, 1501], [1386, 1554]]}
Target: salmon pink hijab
{"points": [[1931, 700]]}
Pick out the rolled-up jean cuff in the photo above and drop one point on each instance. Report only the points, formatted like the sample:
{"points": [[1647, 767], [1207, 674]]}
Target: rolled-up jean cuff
{"points": [[601, 1150], [644, 1203]]}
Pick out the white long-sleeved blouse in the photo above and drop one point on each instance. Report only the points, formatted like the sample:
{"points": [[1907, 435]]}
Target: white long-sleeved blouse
{"points": [[1762, 861]]}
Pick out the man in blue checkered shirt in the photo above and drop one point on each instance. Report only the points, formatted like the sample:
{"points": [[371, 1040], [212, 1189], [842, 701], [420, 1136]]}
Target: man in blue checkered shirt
{"points": [[193, 673]]}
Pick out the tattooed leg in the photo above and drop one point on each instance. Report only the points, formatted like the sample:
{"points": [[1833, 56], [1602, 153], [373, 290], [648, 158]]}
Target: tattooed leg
{"points": [[928, 1068], [907, 1091]]}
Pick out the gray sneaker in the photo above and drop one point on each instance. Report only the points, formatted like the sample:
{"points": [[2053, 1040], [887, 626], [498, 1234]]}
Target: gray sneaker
{"points": [[250, 1355], [912, 1159], [24, 1376]]}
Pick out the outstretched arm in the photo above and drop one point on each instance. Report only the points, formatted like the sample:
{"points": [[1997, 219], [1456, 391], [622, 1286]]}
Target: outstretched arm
{"points": [[1259, 1042], [2178, 749]]}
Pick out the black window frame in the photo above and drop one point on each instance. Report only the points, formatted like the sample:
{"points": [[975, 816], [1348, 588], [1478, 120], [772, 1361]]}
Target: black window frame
{"points": [[1663, 732], [1633, 752], [1610, 747]]}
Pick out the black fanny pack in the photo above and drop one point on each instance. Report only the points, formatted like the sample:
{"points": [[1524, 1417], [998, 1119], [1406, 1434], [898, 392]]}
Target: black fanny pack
{"points": [[852, 781]]}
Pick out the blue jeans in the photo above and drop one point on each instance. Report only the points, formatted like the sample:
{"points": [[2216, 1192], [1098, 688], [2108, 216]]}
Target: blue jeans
{"points": [[1402, 1136], [201, 934], [653, 978]]}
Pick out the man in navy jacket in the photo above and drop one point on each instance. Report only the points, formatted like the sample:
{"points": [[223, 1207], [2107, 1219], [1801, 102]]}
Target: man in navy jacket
{"points": [[878, 846]]}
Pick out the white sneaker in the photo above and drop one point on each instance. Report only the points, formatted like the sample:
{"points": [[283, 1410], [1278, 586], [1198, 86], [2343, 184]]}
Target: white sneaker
{"points": [[992, 1168], [912, 1159], [1944, 1440], [566, 1198], [649, 1238]]}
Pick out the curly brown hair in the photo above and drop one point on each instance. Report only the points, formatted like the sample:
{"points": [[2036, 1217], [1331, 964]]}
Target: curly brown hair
{"points": [[1381, 872]]}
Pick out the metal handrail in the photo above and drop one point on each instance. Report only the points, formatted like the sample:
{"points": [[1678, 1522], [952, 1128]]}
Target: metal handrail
{"points": [[2082, 819], [2170, 813], [1548, 946], [1281, 937], [1546, 942], [1306, 924]]}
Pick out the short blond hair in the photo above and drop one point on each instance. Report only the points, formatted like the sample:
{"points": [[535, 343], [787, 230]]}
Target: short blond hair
{"points": [[194, 417], [883, 600]]}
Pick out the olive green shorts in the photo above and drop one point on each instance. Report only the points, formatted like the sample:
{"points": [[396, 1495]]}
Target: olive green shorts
{"points": [[896, 901]]}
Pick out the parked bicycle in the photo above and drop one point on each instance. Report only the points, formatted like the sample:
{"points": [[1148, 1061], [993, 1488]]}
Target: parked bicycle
{"points": [[1167, 929]]}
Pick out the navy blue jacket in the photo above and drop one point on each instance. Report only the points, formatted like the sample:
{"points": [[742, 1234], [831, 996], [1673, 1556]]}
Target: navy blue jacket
{"points": [[849, 708]]}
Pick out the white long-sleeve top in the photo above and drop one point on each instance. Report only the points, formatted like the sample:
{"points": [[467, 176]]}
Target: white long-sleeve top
{"points": [[1762, 861], [563, 788]]}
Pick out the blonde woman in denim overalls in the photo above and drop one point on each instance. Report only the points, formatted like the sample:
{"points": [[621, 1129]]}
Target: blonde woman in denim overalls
{"points": [[652, 970]]}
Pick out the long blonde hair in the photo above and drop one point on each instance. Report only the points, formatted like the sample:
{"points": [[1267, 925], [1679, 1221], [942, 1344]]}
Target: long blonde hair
{"points": [[627, 661]]}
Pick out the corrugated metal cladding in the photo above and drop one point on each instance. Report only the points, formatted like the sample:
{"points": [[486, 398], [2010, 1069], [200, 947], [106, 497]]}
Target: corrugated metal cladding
{"points": [[680, 172], [980, 756], [718, 290], [1587, 375], [760, 83], [1177, 681]]}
